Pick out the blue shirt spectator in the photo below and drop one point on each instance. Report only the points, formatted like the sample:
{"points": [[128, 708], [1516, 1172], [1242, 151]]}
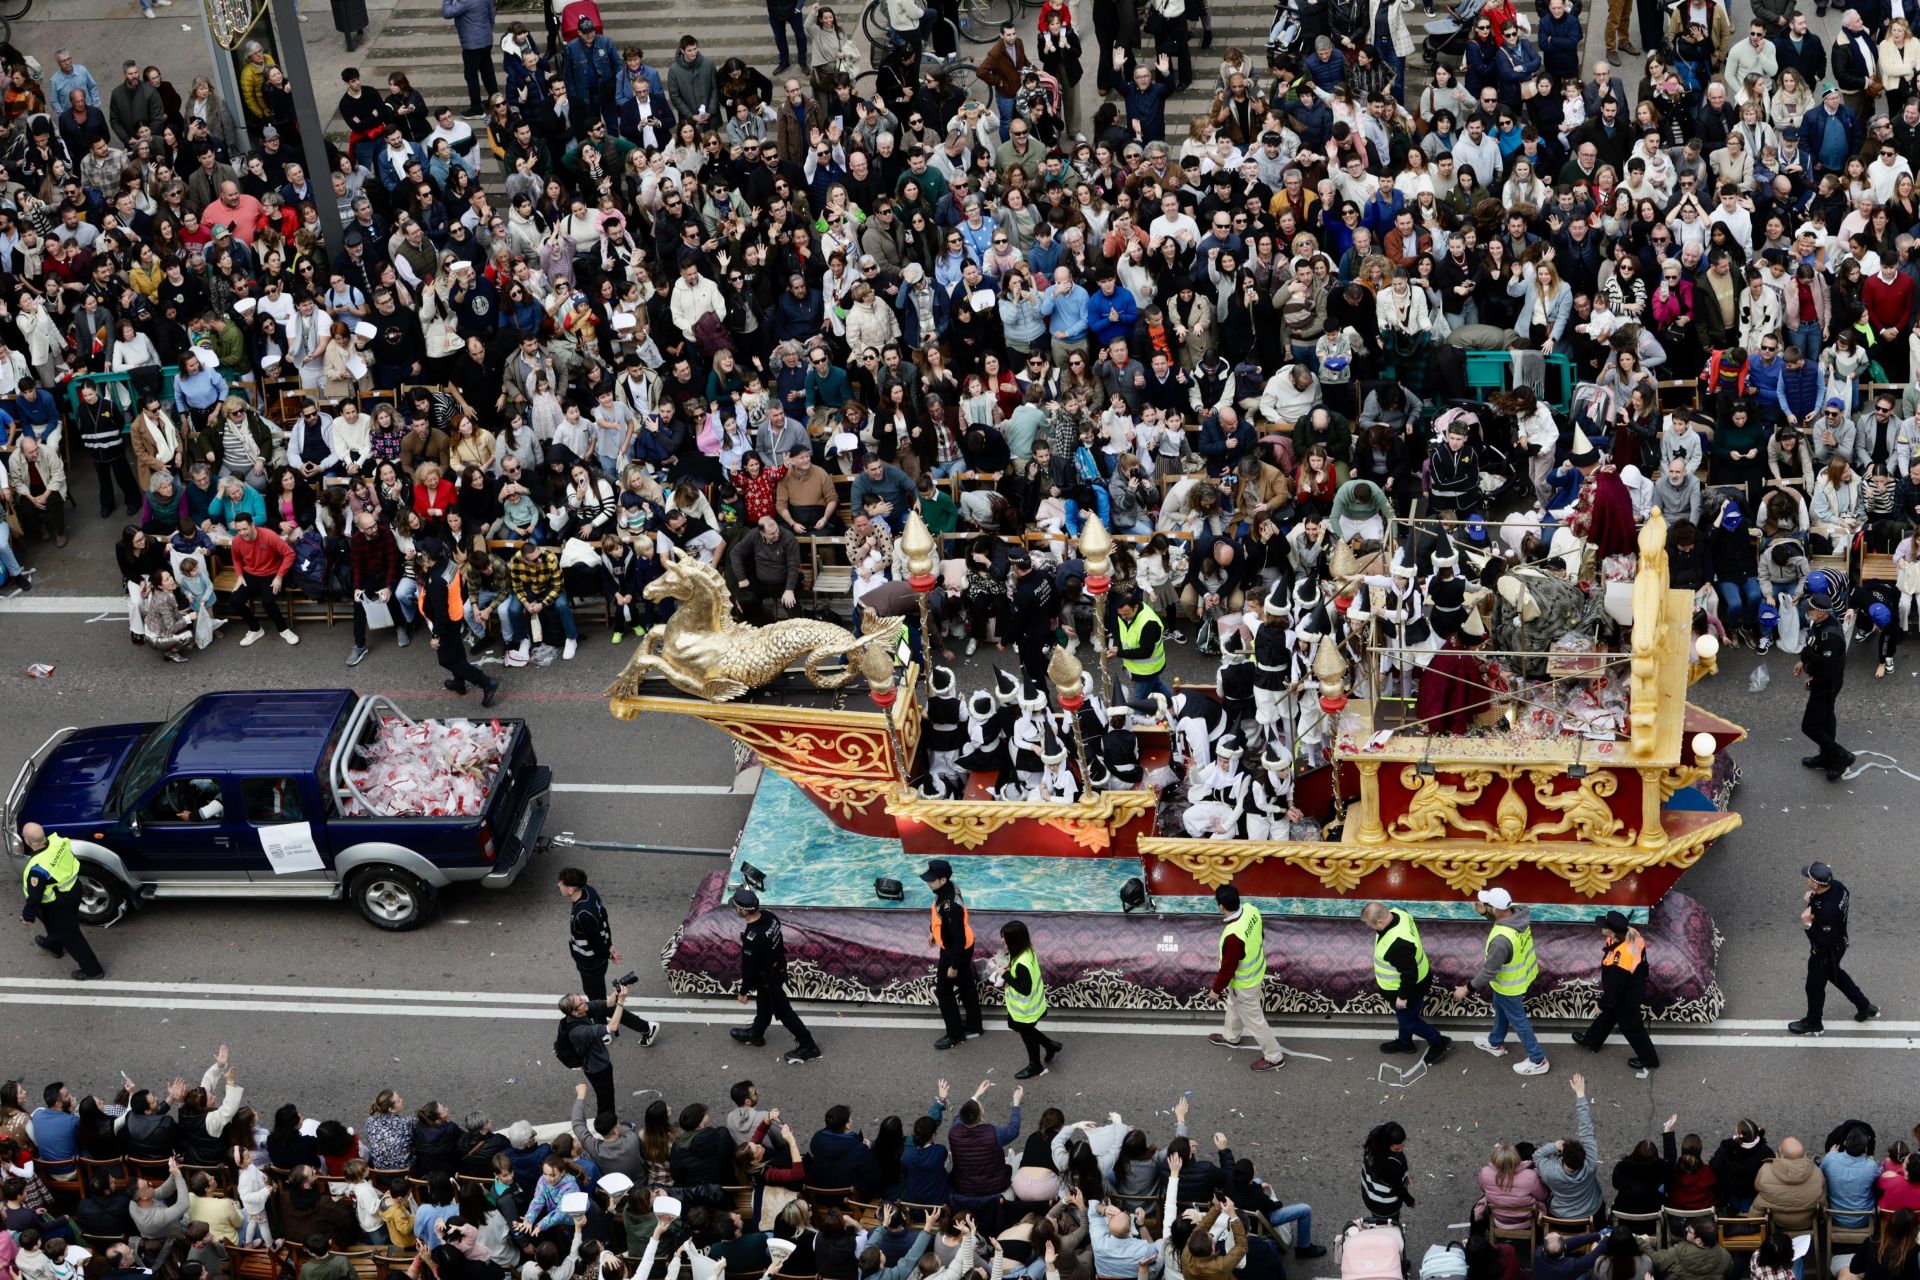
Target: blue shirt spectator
{"points": [[1111, 312], [1066, 312]]}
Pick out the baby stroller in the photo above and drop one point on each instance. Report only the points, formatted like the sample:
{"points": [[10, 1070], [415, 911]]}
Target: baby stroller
{"points": [[1593, 408], [1447, 35], [1504, 476], [1283, 37]]}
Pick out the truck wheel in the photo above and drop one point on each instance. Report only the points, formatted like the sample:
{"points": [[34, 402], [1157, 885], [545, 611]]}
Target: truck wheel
{"points": [[102, 896], [390, 898]]}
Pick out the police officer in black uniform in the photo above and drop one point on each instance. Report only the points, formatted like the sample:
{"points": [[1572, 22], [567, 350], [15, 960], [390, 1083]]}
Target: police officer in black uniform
{"points": [[952, 935], [1825, 916], [763, 979], [1036, 613], [590, 944], [1823, 664]]}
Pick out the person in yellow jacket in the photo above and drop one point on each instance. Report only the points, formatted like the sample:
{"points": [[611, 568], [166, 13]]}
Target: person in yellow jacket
{"points": [[1236, 985], [51, 883], [1507, 970], [1403, 975], [1025, 993]]}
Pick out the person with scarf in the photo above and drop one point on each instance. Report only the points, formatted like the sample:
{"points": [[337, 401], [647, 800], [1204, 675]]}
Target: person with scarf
{"points": [[156, 442]]}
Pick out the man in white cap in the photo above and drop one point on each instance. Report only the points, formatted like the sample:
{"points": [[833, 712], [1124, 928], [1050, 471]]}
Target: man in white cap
{"points": [[1506, 971]]}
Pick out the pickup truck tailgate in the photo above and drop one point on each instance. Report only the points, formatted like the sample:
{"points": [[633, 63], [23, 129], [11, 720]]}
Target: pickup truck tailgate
{"points": [[517, 810]]}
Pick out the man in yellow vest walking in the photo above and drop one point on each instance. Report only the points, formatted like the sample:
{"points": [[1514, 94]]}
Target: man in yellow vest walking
{"points": [[51, 884], [1403, 975], [1508, 969], [1243, 967]]}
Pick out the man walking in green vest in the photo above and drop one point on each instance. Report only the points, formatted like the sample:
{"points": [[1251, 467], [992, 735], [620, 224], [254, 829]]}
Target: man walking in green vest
{"points": [[1508, 969], [1243, 967], [51, 883], [1403, 975], [1141, 646]]}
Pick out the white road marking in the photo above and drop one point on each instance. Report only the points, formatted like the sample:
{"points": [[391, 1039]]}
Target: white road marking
{"points": [[639, 789], [37, 602], [533, 1006]]}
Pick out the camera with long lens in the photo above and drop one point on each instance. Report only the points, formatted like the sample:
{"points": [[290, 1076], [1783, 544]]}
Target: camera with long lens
{"points": [[626, 981]]}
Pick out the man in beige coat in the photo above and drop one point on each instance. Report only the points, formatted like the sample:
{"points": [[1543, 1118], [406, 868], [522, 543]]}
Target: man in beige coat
{"points": [[1791, 1186]]}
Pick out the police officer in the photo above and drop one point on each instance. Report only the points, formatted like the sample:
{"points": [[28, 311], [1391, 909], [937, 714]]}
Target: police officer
{"points": [[51, 884], [446, 611], [1036, 613], [1823, 664], [1141, 646], [1825, 916], [1026, 998], [1236, 984], [1403, 975], [952, 937], [590, 944], [1623, 989], [763, 979]]}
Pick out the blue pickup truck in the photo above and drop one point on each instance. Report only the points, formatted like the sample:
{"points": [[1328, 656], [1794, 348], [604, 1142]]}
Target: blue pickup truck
{"points": [[258, 795]]}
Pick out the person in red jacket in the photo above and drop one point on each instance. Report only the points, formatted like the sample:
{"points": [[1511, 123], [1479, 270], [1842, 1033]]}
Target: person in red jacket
{"points": [[262, 558], [1888, 296]]}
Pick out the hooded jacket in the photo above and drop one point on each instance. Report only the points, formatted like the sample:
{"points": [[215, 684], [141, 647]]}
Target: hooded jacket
{"points": [[1499, 951], [1792, 1189]]}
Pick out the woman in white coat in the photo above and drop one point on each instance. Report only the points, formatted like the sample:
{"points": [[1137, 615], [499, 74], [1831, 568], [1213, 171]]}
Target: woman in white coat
{"points": [[43, 340]]}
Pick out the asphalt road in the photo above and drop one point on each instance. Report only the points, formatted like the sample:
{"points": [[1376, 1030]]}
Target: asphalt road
{"points": [[324, 1010]]}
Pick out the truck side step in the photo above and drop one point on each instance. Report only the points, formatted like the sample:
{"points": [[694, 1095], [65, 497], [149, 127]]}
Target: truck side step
{"points": [[243, 889]]}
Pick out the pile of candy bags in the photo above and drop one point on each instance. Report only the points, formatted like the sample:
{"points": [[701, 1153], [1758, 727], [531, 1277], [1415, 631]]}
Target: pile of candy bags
{"points": [[431, 768]]}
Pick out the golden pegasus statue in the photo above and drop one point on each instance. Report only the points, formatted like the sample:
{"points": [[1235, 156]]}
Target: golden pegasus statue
{"points": [[702, 651]]}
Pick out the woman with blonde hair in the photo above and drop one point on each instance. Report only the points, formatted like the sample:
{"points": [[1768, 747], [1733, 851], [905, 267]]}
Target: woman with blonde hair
{"points": [[1790, 102], [1899, 60], [1510, 1190], [1839, 503]]}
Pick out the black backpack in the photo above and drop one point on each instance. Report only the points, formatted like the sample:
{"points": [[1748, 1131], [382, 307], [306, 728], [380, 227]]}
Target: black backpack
{"points": [[563, 1047]]}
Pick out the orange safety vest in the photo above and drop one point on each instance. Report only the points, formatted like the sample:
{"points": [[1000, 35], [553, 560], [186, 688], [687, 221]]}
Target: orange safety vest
{"points": [[1627, 953], [966, 920], [456, 597]]}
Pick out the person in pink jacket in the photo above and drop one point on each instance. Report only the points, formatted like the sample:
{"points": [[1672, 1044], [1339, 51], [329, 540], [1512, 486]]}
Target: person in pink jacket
{"points": [[1509, 1188]]}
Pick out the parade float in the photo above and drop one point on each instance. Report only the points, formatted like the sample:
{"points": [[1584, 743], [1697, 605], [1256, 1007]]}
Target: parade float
{"points": [[1572, 823]]}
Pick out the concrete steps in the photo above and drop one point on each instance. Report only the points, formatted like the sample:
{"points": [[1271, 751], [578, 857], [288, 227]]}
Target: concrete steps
{"points": [[415, 39]]}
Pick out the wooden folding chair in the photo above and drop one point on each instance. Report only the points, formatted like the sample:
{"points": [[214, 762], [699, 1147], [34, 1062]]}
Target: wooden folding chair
{"points": [[1741, 1233], [1521, 1236]]}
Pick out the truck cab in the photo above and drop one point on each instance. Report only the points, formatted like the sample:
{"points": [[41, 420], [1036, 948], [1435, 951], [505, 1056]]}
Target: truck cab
{"points": [[253, 795]]}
